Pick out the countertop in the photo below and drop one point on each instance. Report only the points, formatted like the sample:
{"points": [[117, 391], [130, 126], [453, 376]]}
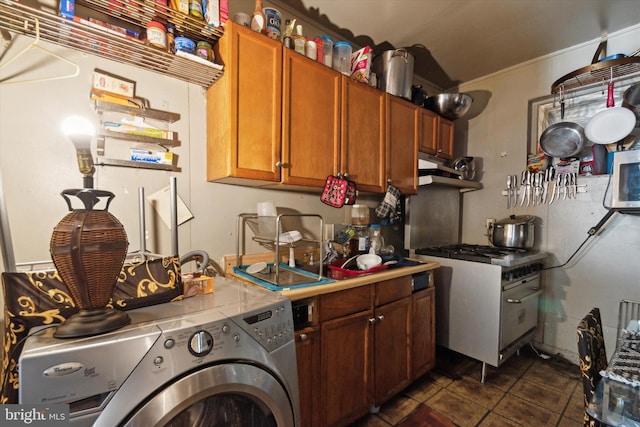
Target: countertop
{"points": [[338, 285]]}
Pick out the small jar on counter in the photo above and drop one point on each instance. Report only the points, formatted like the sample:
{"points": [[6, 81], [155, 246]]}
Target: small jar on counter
{"points": [[156, 35]]}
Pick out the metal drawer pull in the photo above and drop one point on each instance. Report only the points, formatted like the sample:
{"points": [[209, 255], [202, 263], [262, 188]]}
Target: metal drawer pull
{"points": [[381, 317], [537, 292], [372, 320]]}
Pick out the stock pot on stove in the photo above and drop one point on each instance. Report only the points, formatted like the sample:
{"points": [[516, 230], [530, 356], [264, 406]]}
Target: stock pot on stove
{"points": [[517, 231]]}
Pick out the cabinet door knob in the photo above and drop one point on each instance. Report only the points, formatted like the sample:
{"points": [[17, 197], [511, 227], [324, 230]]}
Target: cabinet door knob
{"points": [[381, 317], [303, 337], [346, 175], [372, 320], [389, 181], [278, 164]]}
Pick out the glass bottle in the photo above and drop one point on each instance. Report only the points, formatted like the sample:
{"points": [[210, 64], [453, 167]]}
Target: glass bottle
{"points": [[376, 240], [299, 41], [258, 19], [359, 243]]}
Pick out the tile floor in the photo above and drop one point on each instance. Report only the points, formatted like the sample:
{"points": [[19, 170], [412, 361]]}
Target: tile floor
{"points": [[525, 391]]}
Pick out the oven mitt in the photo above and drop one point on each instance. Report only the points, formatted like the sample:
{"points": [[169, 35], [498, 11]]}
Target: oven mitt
{"points": [[350, 194], [388, 205], [334, 192]]}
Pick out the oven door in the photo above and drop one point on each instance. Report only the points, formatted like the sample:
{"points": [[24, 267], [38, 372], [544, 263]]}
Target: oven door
{"points": [[519, 309], [230, 394]]}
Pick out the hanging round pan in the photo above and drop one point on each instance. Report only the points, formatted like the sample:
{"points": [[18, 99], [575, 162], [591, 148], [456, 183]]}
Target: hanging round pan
{"points": [[611, 124], [562, 140]]}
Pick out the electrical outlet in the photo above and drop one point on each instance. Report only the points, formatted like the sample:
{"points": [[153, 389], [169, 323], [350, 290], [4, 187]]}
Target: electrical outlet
{"points": [[489, 223]]}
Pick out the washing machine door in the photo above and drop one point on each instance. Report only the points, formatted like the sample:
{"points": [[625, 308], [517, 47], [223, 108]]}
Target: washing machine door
{"points": [[233, 394]]}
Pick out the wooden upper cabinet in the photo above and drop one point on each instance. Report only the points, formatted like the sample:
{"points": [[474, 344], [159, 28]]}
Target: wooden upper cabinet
{"points": [[244, 108], [363, 136], [445, 138], [402, 144], [436, 135], [428, 132], [311, 121]]}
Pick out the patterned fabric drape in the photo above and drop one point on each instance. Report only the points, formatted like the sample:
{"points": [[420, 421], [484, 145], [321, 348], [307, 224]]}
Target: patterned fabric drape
{"points": [[41, 298], [593, 357]]}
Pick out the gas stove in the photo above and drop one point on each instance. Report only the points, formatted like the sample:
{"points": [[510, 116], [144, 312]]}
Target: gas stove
{"points": [[487, 299], [505, 257]]}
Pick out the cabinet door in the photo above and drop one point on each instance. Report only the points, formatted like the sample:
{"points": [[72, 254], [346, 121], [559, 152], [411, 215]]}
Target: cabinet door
{"points": [[363, 135], [308, 358], [424, 330], [402, 144], [445, 138], [244, 108], [346, 368], [311, 121], [428, 141], [392, 354]]}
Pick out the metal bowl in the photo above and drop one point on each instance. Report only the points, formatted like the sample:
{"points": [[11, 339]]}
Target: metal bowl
{"points": [[450, 105]]}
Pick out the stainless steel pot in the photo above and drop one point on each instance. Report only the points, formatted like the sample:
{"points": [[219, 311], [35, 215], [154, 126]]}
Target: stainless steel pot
{"points": [[394, 71], [516, 232]]}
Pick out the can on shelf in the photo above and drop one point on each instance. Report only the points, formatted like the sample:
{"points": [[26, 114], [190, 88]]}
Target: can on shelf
{"points": [[185, 44], [156, 35], [195, 8], [273, 22]]}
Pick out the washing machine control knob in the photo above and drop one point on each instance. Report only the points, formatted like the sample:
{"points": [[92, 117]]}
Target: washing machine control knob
{"points": [[200, 343], [226, 328]]}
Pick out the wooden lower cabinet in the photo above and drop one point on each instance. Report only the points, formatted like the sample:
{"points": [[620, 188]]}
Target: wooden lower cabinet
{"points": [[365, 349], [308, 359], [423, 348], [345, 368], [392, 355]]}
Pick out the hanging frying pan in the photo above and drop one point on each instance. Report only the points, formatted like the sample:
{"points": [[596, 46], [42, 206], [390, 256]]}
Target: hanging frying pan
{"points": [[611, 124], [562, 139]]}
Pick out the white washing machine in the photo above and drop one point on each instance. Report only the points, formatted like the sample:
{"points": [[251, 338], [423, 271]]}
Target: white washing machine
{"points": [[222, 359]]}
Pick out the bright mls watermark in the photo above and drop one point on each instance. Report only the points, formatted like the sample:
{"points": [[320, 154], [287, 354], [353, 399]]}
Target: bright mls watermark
{"points": [[34, 415]]}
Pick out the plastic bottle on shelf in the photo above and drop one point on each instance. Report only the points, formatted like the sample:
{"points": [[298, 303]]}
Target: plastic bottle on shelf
{"points": [[376, 241], [180, 6], [258, 20], [311, 49], [299, 41]]}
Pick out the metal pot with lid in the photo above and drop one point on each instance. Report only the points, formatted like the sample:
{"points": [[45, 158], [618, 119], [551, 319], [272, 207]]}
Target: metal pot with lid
{"points": [[394, 70], [516, 231]]}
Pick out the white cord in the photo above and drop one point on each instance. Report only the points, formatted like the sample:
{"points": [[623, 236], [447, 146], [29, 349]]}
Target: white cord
{"points": [[540, 355]]}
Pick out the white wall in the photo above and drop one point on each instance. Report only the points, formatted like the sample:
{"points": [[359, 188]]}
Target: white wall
{"points": [[607, 269]]}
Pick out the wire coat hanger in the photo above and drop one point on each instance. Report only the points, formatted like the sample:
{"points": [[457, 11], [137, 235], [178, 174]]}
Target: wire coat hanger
{"points": [[35, 44]]}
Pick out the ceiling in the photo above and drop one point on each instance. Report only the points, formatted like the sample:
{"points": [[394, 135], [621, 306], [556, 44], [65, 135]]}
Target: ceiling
{"points": [[456, 41]]}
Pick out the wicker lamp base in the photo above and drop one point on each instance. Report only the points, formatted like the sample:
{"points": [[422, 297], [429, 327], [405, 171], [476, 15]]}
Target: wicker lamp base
{"points": [[96, 321]]}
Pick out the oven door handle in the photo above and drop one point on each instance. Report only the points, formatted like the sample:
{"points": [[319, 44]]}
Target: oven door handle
{"points": [[537, 292]]}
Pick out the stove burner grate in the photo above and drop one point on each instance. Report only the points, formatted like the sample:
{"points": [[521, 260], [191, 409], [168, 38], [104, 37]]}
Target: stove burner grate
{"points": [[478, 253]]}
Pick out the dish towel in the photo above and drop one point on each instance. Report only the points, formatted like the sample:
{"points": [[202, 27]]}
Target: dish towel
{"points": [[388, 205]]}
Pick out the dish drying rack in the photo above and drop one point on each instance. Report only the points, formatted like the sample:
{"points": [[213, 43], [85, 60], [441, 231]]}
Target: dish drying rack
{"points": [[268, 232]]}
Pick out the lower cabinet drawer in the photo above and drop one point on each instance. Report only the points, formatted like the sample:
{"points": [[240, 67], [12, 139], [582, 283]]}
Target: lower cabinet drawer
{"points": [[343, 303]]}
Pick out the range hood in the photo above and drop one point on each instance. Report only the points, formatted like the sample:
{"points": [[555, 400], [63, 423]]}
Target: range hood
{"points": [[432, 171]]}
